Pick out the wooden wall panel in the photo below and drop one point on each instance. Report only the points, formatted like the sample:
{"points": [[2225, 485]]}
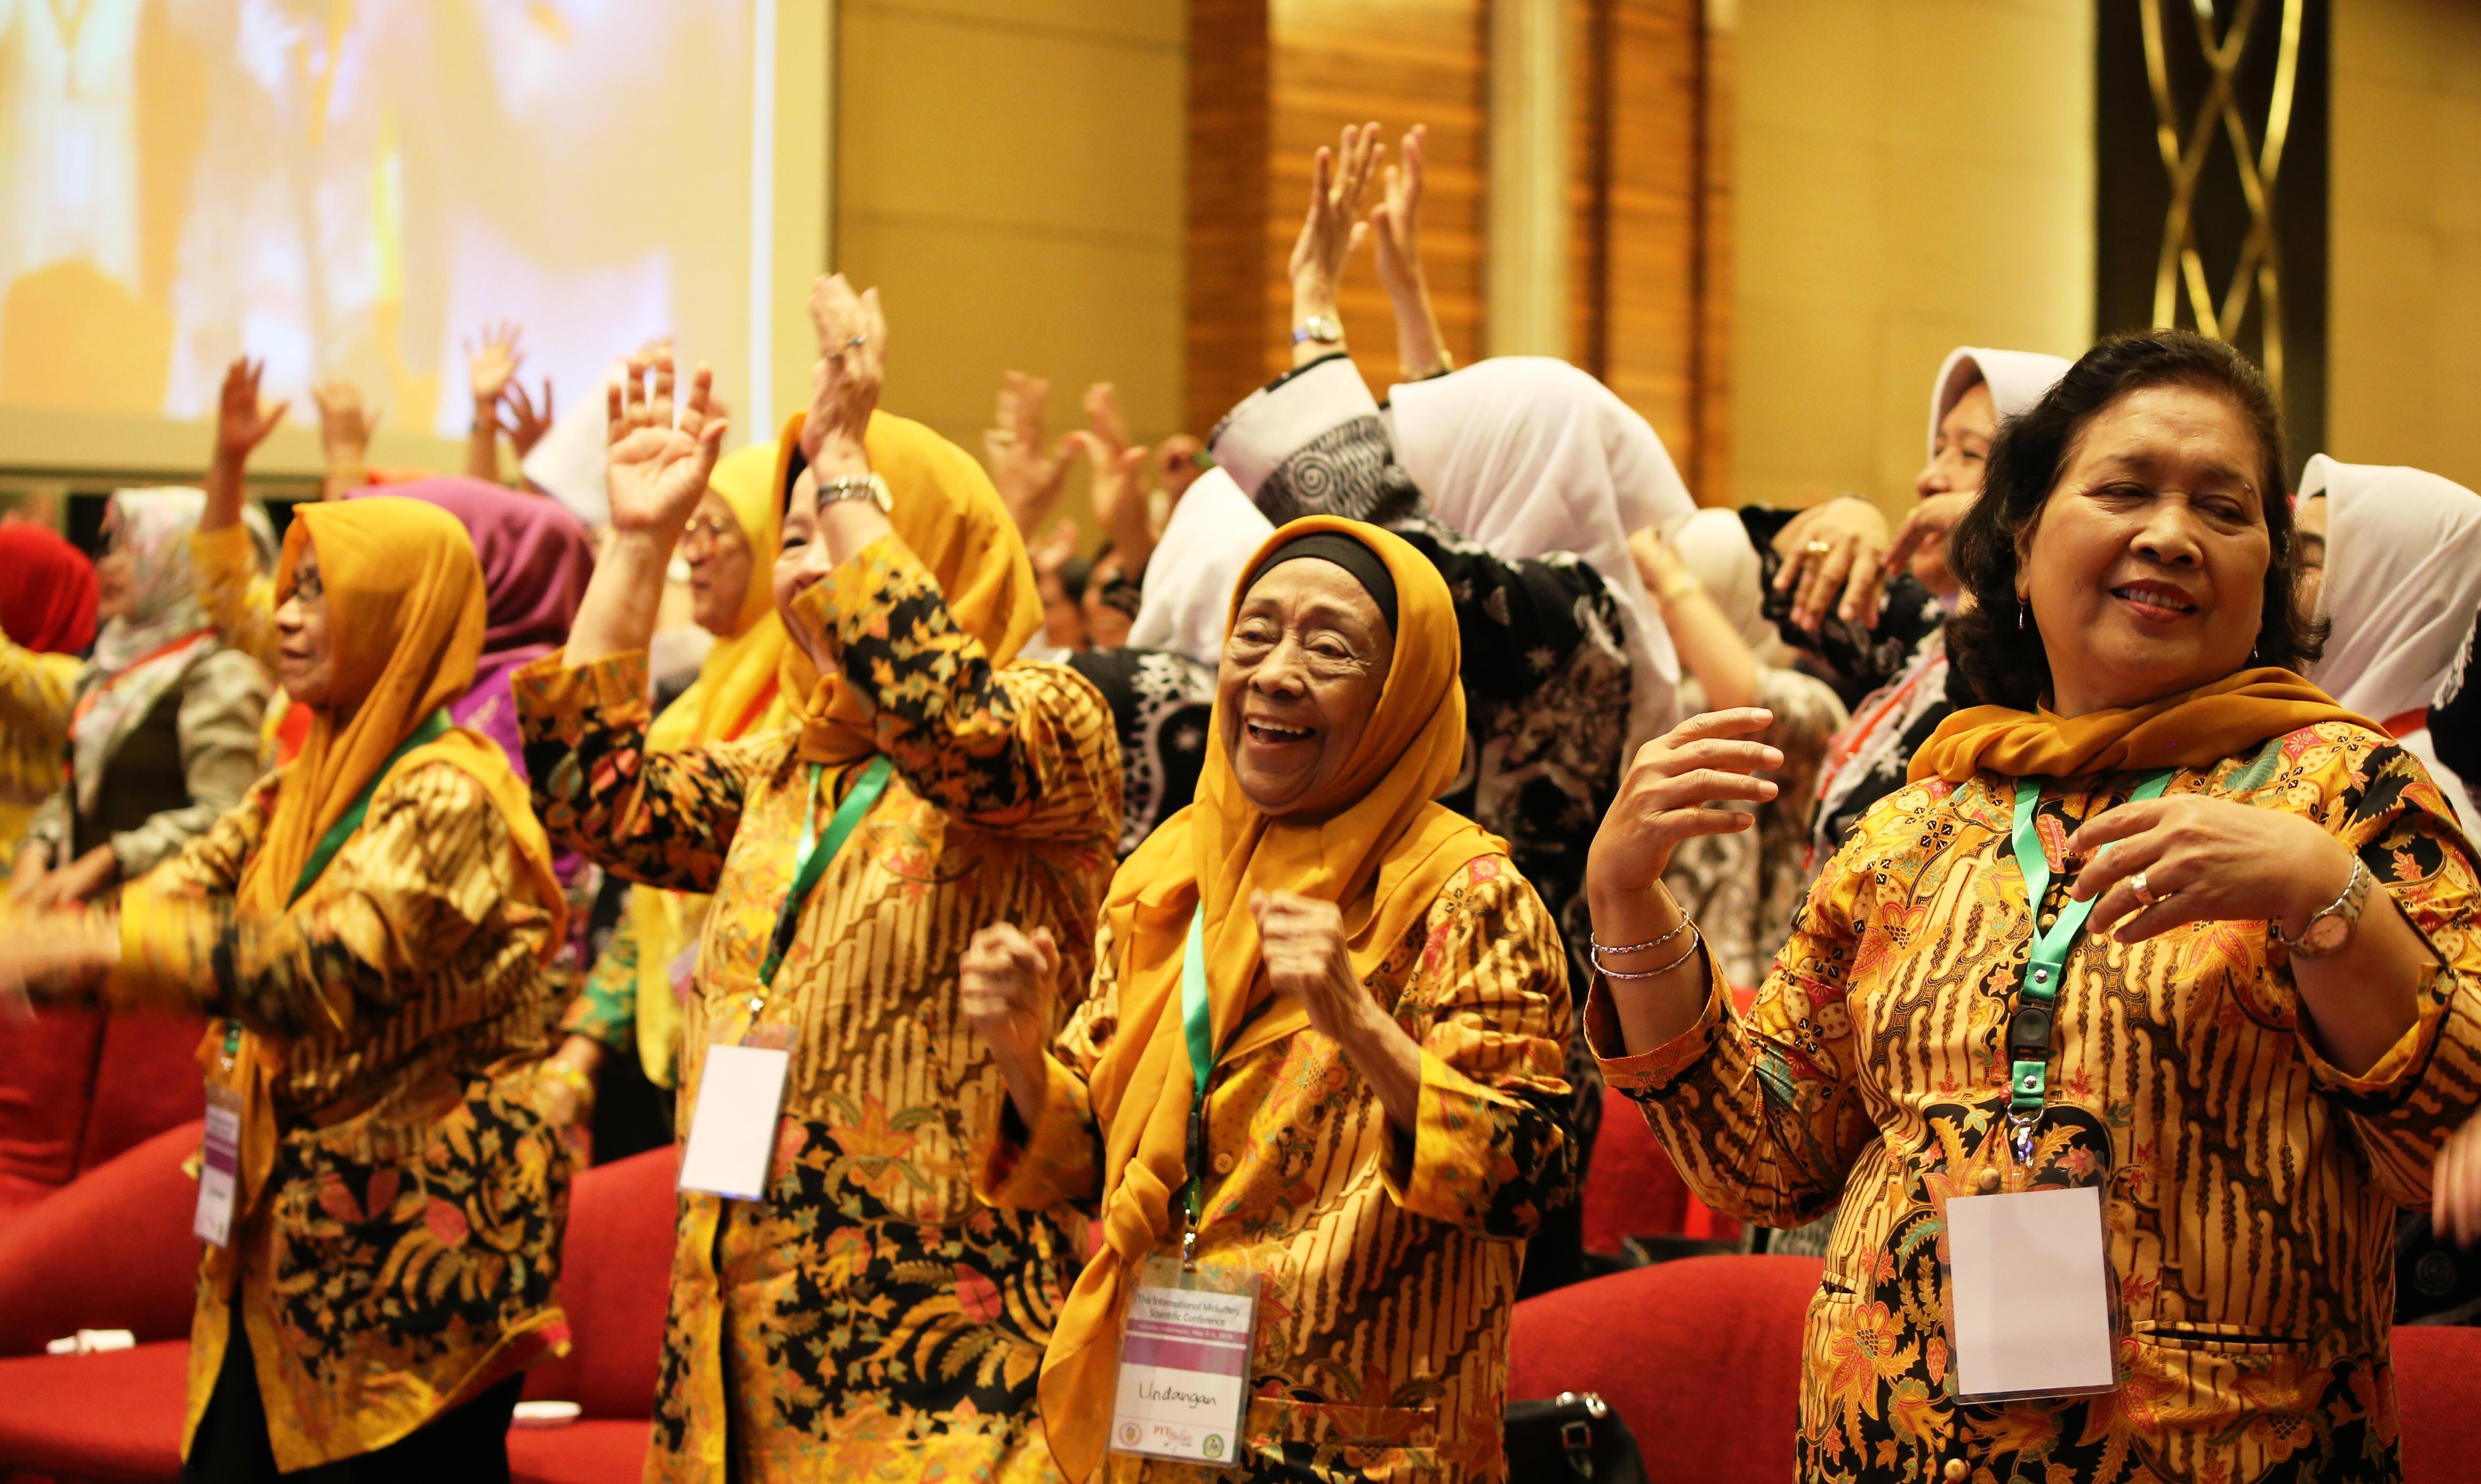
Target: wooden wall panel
{"points": [[1272, 80], [1651, 224]]}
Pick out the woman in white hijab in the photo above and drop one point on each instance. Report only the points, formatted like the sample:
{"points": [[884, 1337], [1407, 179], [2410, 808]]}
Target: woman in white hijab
{"points": [[2402, 586], [1211, 534]]}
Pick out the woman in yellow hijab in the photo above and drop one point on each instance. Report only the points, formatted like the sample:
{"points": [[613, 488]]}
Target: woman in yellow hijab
{"points": [[840, 1306], [632, 995], [1322, 1051], [382, 1195]]}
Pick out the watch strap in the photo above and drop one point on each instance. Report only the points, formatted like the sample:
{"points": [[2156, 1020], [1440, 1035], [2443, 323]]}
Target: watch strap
{"points": [[2347, 907], [855, 487]]}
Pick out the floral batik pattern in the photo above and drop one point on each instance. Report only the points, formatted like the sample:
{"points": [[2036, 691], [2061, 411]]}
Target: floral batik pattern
{"points": [[402, 1254], [2250, 1185], [868, 1320], [1387, 1258]]}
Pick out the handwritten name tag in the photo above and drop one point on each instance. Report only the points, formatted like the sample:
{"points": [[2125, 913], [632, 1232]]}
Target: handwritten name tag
{"points": [[2029, 1294]]}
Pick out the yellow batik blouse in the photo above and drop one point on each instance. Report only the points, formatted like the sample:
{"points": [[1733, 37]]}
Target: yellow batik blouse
{"points": [[37, 693], [2250, 1185], [402, 1255], [1387, 1258], [869, 1318]]}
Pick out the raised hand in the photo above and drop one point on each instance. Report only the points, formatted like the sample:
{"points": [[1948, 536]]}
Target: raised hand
{"points": [[525, 421], [852, 363], [241, 422], [345, 424], [1054, 549], [1119, 491], [1333, 227], [1663, 799], [658, 466], [1007, 981], [1179, 460], [2455, 1190], [1395, 223], [492, 365], [1029, 479]]}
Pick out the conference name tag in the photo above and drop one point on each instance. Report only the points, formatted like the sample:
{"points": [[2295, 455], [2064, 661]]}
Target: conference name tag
{"points": [[2029, 1294], [732, 1134], [1183, 1389], [218, 1169]]}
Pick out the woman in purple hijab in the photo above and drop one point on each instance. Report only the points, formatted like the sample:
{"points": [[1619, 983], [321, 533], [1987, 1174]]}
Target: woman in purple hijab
{"points": [[536, 560]]}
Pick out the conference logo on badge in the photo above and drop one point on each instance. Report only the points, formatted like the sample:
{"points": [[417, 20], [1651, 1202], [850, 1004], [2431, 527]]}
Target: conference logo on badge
{"points": [[1214, 1445], [1129, 1433]]}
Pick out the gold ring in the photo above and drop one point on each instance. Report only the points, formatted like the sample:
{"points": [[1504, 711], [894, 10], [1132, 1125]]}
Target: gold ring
{"points": [[2144, 892], [1818, 548]]}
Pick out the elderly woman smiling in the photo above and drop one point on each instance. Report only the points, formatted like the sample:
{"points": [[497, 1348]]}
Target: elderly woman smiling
{"points": [[1322, 1049], [2247, 1063]]}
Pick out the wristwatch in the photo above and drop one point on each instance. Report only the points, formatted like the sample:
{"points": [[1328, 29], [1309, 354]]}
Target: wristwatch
{"points": [[2330, 927], [856, 486], [1321, 329]]}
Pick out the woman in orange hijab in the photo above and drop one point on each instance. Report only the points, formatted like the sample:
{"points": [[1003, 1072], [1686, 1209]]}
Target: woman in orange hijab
{"points": [[1321, 1052], [2123, 1031], [840, 1306], [382, 1196]]}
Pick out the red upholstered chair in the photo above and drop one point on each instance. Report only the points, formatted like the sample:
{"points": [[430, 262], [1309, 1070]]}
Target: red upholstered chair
{"points": [[1634, 1189], [78, 1087], [117, 1417], [1700, 1357], [110, 1250], [2438, 1384]]}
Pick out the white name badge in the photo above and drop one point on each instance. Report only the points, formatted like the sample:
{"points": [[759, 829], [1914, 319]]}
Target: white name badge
{"points": [[732, 1134], [2029, 1294], [218, 1169], [1184, 1387]]}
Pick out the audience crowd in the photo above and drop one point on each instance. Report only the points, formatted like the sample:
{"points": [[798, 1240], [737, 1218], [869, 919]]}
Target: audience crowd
{"points": [[1251, 910]]}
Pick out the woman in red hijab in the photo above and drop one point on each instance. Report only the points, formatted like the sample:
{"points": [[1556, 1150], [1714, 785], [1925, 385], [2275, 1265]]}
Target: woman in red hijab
{"points": [[46, 623]]}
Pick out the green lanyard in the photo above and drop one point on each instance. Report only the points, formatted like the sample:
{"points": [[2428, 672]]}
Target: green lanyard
{"points": [[815, 856], [2028, 1030], [1196, 1014], [434, 727]]}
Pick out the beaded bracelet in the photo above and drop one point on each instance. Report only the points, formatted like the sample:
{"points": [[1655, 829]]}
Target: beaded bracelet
{"points": [[1696, 940]]}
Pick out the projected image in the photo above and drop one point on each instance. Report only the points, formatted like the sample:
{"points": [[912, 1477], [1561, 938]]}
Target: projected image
{"points": [[353, 187]]}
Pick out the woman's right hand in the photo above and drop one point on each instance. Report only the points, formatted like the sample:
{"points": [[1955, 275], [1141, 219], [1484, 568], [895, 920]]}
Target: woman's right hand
{"points": [[657, 471], [569, 1080], [1663, 799], [846, 378], [242, 423], [1333, 228], [26, 874], [1007, 982]]}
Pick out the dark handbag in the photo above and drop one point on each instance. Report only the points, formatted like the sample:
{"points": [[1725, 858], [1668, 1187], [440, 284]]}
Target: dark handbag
{"points": [[1574, 1435]]}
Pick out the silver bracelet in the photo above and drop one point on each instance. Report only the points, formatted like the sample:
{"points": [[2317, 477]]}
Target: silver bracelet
{"points": [[1594, 945], [1696, 940]]}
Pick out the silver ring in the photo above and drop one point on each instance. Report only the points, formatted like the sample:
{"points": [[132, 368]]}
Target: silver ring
{"points": [[2144, 892]]}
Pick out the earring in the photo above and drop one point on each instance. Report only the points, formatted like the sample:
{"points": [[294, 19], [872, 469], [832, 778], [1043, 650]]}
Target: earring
{"points": [[2023, 608]]}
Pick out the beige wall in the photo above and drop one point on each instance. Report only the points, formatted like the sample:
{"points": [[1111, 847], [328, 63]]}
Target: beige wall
{"points": [[1914, 175], [1009, 176], [2405, 367]]}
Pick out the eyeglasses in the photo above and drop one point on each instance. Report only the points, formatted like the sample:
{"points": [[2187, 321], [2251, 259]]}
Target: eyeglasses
{"points": [[709, 532]]}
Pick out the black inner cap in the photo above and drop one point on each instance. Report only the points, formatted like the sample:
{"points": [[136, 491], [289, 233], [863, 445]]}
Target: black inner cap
{"points": [[1345, 551]]}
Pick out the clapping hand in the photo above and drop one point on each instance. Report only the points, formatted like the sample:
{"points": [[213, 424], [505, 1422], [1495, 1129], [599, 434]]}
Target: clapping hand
{"points": [[657, 468], [2455, 1190], [345, 424], [1119, 491], [523, 419], [1027, 477], [1179, 460]]}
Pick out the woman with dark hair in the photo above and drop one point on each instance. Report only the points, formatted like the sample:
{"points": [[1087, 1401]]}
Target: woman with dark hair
{"points": [[2219, 1094]]}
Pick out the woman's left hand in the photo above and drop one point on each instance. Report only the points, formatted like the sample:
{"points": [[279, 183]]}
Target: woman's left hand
{"points": [[2204, 860], [2455, 1188], [80, 880]]}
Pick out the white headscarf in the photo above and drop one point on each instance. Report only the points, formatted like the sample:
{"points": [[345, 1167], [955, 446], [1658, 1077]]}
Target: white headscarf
{"points": [[1187, 588], [2403, 585], [2017, 379], [1715, 547], [149, 649], [1529, 456]]}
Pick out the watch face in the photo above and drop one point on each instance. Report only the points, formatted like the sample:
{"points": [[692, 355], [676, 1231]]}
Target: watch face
{"points": [[2326, 934]]}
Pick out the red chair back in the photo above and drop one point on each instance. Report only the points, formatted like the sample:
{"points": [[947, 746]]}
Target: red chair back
{"points": [[1700, 1357], [616, 1278], [110, 1250], [2435, 1368]]}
